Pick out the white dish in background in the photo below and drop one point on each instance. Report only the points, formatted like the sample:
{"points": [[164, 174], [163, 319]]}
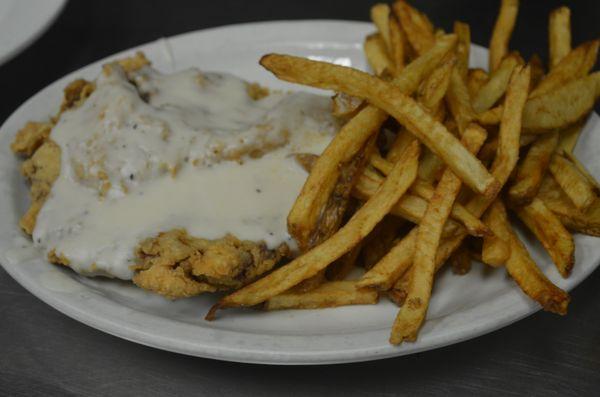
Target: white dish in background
{"points": [[462, 307], [22, 22]]}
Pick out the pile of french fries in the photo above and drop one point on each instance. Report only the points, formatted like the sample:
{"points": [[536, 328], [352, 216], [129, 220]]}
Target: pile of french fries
{"points": [[431, 156]]}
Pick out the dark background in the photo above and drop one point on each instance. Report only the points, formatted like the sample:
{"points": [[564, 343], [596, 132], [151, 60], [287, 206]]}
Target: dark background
{"points": [[43, 352]]}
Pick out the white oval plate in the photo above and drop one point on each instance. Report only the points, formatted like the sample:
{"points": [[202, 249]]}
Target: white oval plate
{"points": [[21, 22], [462, 306]]}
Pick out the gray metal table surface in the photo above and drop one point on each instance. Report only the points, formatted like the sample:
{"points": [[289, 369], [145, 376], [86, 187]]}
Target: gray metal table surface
{"points": [[44, 353]]}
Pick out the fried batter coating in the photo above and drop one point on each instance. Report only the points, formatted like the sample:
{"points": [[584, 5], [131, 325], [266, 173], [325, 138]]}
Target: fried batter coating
{"points": [[41, 170], [30, 138], [224, 263], [171, 282], [76, 93]]}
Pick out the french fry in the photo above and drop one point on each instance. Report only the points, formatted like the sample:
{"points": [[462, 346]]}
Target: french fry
{"points": [[416, 25], [377, 56], [494, 250], [569, 136], [435, 86], [315, 193], [502, 167], [331, 217], [575, 64], [510, 129], [463, 49], [412, 314], [523, 269], [345, 239], [391, 99], [537, 70], [548, 229], [412, 208], [403, 139], [426, 191], [491, 116], [555, 199], [562, 106], [505, 23], [582, 170], [573, 183], [397, 43], [430, 166], [559, 34], [304, 215], [532, 170], [380, 15], [495, 87], [329, 294], [476, 78], [459, 101]]}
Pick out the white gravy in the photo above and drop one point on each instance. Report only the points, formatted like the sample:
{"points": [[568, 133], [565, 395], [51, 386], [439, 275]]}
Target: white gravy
{"points": [[140, 159]]}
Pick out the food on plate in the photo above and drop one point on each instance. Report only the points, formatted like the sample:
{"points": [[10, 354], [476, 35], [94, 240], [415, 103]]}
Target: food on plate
{"points": [[141, 173], [195, 182], [515, 107]]}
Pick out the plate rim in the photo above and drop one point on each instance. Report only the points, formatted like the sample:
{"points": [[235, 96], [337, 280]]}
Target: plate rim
{"points": [[53, 10], [125, 331]]}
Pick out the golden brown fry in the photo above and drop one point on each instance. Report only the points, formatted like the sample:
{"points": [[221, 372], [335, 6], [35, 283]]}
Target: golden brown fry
{"points": [[523, 269], [416, 25], [495, 87], [505, 23], [377, 56], [532, 170], [569, 136], [503, 165], [491, 116], [434, 88], [476, 78], [576, 64], [583, 171], [555, 199], [317, 189], [391, 99], [345, 105], [333, 212], [494, 251], [548, 229], [463, 49], [380, 15], [510, 124], [573, 183], [406, 206], [559, 34], [329, 294], [537, 70], [397, 43], [403, 139], [412, 313], [562, 106], [459, 101], [350, 235]]}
